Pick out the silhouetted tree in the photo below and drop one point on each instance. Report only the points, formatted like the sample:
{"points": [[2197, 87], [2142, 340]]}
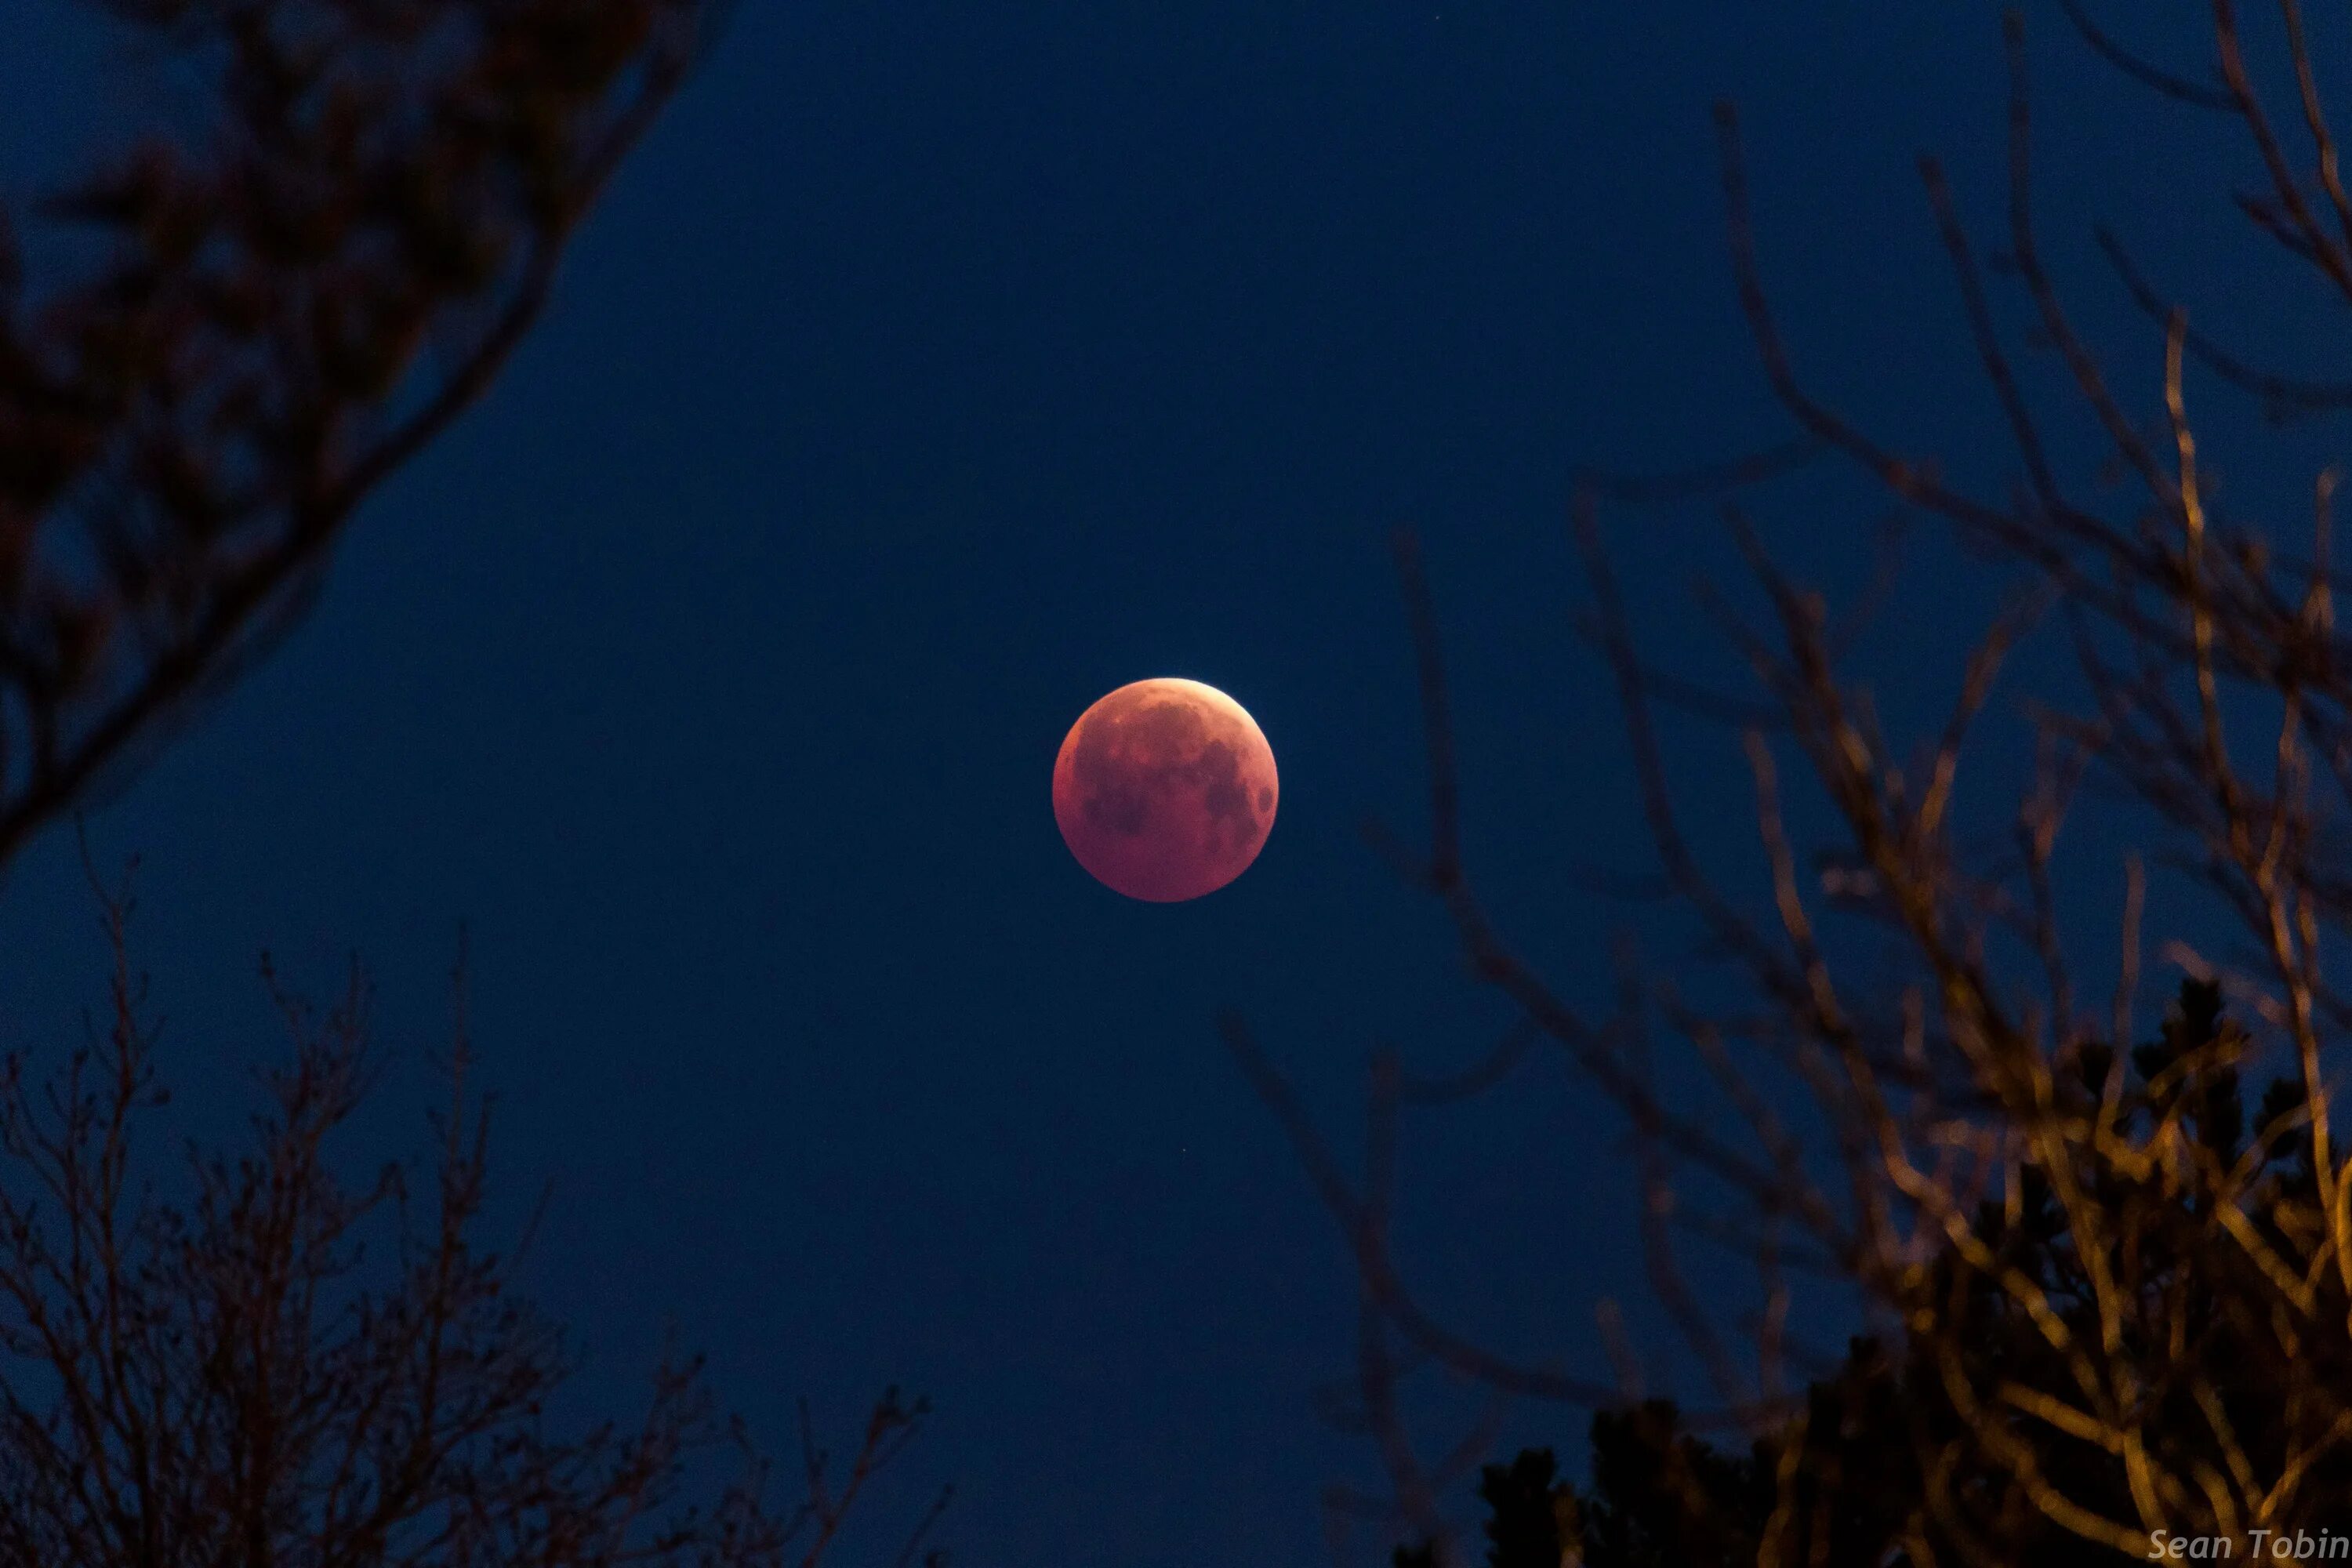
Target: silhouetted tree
{"points": [[1662, 1495], [2104, 1306], [332, 251], [292, 1363], [1529, 1512], [295, 291]]}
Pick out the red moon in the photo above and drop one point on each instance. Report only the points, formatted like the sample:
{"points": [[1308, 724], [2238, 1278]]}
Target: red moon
{"points": [[1164, 790]]}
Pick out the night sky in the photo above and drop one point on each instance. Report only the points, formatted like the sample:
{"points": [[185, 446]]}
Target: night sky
{"points": [[930, 372]]}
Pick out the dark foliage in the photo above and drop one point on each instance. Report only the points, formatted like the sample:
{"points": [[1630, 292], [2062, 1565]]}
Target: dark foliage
{"points": [[1662, 1496], [2109, 1300], [1529, 1512], [290, 299], [329, 255]]}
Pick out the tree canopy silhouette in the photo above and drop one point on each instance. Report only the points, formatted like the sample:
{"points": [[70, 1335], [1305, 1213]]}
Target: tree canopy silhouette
{"points": [[2105, 1303], [1661, 1494], [291, 295], [257, 1355]]}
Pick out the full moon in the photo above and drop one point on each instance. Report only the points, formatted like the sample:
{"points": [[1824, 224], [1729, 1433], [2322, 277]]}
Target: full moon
{"points": [[1164, 790]]}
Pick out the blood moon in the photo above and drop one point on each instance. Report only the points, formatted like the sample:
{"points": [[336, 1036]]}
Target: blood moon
{"points": [[1165, 789]]}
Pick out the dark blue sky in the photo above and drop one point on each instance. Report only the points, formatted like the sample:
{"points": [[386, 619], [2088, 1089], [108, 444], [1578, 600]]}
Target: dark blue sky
{"points": [[933, 370]]}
